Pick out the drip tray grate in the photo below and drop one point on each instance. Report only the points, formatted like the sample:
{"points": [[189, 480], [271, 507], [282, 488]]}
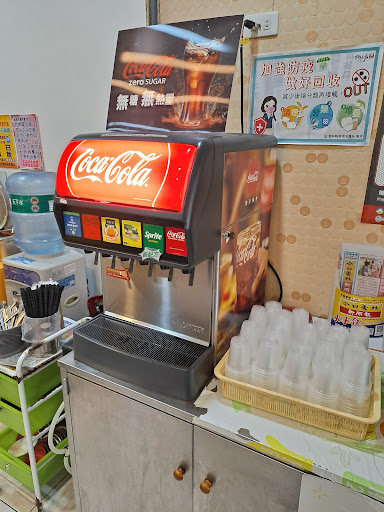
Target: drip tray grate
{"points": [[143, 356]]}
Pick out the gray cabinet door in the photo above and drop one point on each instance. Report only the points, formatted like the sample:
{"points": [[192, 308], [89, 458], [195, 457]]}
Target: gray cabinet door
{"points": [[126, 453], [243, 480]]}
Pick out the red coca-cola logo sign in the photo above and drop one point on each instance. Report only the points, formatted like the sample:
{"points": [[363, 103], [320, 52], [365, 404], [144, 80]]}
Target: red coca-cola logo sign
{"points": [[176, 235], [175, 242], [134, 173], [161, 66]]}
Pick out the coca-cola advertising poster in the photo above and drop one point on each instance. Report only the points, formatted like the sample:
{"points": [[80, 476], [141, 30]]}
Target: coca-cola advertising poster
{"points": [[175, 77], [249, 178]]}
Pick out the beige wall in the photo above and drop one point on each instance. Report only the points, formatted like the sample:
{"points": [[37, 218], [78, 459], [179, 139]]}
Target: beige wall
{"points": [[319, 190]]}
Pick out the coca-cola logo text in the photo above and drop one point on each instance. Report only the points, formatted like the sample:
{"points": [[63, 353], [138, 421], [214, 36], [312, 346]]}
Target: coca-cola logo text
{"points": [[176, 235], [107, 169], [246, 254], [253, 177], [161, 66]]}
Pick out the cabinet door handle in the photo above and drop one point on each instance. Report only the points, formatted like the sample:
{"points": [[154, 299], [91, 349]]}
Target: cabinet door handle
{"points": [[179, 473], [205, 486]]}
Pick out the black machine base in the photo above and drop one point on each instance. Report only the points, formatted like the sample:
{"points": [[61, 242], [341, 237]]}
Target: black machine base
{"points": [[158, 362]]}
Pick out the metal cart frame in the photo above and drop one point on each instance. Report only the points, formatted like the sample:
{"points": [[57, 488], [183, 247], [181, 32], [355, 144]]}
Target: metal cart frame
{"points": [[25, 410]]}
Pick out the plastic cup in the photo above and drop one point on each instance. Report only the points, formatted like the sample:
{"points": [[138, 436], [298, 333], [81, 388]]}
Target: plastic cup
{"points": [[273, 304], [324, 387], [267, 364], [254, 333], [238, 364], [300, 318], [294, 375], [359, 334], [355, 387], [259, 315]]}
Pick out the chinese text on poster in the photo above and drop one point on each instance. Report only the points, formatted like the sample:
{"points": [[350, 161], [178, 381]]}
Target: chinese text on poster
{"points": [[316, 97], [27, 141], [7, 149]]}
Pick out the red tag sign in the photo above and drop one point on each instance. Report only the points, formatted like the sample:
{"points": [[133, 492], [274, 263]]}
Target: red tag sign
{"points": [[133, 173], [175, 242], [120, 274], [259, 125]]}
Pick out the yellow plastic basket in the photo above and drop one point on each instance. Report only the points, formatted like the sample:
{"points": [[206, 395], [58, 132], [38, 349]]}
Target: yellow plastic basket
{"points": [[337, 422]]}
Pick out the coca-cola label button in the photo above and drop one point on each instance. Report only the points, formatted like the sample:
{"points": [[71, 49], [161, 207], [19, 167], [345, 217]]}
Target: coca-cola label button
{"points": [[175, 242], [91, 226], [153, 237]]}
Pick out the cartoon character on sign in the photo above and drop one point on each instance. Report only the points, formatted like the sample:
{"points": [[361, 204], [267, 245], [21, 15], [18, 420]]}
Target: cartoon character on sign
{"points": [[320, 116], [292, 115], [350, 116], [269, 107]]}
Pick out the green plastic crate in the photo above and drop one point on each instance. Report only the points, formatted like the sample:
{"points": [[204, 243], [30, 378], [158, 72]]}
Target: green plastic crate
{"points": [[47, 467], [36, 386], [42, 415]]}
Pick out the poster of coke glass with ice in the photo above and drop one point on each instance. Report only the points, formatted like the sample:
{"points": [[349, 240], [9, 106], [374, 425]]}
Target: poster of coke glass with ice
{"points": [[175, 77]]}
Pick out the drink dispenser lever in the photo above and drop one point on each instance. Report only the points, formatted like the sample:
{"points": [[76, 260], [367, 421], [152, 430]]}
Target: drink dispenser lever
{"points": [[170, 275], [131, 263], [150, 270], [96, 260], [113, 264]]}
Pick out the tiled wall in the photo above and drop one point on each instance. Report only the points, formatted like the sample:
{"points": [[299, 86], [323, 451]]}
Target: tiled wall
{"points": [[319, 190]]}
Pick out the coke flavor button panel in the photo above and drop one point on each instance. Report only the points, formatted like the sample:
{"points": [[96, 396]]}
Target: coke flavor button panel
{"points": [[91, 226], [153, 237], [175, 242], [132, 233], [72, 224], [111, 230]]}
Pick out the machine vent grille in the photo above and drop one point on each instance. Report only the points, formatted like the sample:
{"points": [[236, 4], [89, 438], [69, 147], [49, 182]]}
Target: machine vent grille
{"points": [[141, 341]]}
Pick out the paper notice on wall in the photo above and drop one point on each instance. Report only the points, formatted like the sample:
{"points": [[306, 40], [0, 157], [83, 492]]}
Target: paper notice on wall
{"points": [[7, 148], [362, 270], [27, 141], [316, 96]]}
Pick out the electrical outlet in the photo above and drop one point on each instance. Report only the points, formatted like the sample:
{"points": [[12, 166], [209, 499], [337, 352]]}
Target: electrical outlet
{"points": [[267, 24]]}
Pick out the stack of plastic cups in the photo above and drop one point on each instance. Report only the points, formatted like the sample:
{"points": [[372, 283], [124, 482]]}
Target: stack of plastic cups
{"points": [[324, 387], [300, 319], [303, 344], [259, 315], [338, 336], [355, 387], [267, 364], [253, 333], [238, 365], [271, 308], [294, 376], [359, 335]]}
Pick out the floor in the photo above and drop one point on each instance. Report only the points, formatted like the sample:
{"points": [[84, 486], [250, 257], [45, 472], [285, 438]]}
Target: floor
{"points": [[57, 495]]}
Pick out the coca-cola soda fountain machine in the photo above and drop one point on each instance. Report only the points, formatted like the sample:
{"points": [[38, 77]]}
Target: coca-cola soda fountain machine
{"points": [[181, 221]]}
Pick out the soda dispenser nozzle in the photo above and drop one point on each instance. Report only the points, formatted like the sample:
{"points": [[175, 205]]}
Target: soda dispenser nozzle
{"points": [[103, 255], [142, 263], [191, 277], [164, 267]]}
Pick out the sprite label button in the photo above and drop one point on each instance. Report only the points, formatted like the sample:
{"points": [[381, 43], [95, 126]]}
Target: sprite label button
{"points": [[153, 237]]}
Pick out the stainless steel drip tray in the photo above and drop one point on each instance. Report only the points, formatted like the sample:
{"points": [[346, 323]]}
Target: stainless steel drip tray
{"points": [[145, 357]]}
